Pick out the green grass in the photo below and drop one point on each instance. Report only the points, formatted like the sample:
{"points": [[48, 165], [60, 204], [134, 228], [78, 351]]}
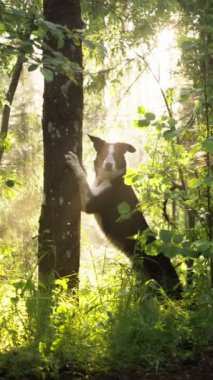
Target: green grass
{"points": [[115, 325]]}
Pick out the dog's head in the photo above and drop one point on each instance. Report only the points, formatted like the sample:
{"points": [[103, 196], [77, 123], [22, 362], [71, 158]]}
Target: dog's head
{"points": [[110, 160]]}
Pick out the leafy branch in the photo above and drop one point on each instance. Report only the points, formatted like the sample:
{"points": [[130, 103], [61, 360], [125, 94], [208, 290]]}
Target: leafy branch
{"points": [[21, 58]]}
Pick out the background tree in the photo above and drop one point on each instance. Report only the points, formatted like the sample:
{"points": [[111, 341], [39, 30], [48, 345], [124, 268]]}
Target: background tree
{"points": [[59, 232], [197, 63], [17, 25]]}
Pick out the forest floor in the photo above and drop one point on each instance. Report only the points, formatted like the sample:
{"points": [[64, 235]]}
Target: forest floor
{"points": [[201, 369]]}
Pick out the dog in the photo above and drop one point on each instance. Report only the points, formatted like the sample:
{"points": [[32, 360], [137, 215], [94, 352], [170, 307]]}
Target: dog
{"points": [[104, 200]]}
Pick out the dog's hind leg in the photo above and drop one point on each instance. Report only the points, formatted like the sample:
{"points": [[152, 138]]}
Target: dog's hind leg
{"points": [[161, 270]]}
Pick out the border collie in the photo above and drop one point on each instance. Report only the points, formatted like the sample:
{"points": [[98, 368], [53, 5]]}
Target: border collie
{"points": [[103, 200]]}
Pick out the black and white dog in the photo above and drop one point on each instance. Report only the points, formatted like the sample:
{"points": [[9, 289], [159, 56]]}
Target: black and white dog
{"points": [[103, 200]]}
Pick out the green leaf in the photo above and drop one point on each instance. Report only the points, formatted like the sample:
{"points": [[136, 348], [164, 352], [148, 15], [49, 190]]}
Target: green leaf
{"points": [[188, 252], [170, 134], [153, 248], [177, 238], [141, 110], [89, 44], [131, 177], [203, 245], [194, 183], [171, 250], [209, 181], [208, 144], [124, 211], [143, 123], [60, 40], [170, 95], [165, 236], [10, 182], [2, 28], [32, 67], [186, 244], [208, 255], [48, 74], [124, 208], [150, 116], [27, 47], [172, 122]]}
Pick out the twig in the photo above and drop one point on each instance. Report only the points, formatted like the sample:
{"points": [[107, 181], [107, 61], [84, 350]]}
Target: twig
{"points": [[158, 83]]}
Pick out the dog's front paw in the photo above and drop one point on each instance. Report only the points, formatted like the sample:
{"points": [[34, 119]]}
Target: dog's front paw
{"points": [[73, 162], [71, 159]]}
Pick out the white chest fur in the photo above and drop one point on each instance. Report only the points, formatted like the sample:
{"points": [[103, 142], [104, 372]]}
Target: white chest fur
{"points": [[99, 187]]}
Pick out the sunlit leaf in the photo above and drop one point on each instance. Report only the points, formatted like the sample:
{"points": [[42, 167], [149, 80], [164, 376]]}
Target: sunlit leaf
{"points": [[141, 110], [195, 182], [154, 248], [89, 44], [131, 177], [170, 95], [2, 27]]}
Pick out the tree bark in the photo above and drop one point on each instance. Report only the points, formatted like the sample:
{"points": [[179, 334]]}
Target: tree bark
{"points": [[59, 226]]}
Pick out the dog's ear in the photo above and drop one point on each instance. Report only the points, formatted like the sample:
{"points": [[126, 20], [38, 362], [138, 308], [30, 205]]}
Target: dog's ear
{"points": [[127, 148], [98, 143]]}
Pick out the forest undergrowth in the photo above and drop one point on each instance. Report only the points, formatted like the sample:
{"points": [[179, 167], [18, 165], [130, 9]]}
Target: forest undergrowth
{"points": [[116, 324]]}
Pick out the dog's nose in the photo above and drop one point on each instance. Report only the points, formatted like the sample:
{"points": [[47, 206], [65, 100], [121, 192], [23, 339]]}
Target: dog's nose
{"points": [[108, 166]]}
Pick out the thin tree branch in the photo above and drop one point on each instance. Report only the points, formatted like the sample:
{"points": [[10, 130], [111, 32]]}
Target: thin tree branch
{"points": [[158, 83], [9, 100]]}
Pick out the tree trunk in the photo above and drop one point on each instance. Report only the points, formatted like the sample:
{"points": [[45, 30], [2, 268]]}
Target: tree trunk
{"points": [[59, 229]]}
